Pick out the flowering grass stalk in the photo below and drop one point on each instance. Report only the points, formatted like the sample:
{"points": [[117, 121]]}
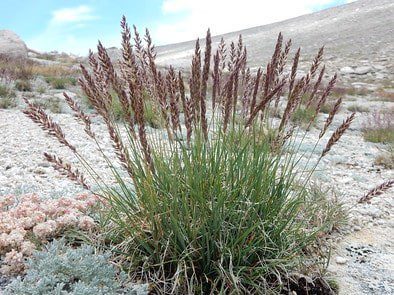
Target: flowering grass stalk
{"points": [[220, 204]]}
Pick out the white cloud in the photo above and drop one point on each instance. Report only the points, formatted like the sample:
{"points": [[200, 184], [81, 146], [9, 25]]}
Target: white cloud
{"points": [[222, 16], [72, 15], [62, 30]]}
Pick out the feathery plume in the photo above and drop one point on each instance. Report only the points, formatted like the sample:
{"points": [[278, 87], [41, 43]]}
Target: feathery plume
{"points": [[316, 87], [38, 116], [330, 117], [204, 82], [378, 190], [324, 96], [65, 169], [80, 114], [294, 70], [256, 89], [338, 133], [263, 103]]}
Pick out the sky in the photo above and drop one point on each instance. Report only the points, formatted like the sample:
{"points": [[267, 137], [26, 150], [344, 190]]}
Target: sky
{"points": [[74, 26]]}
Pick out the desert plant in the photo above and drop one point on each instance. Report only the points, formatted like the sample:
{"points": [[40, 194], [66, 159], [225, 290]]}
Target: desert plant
{"points": [[5, 91], [28, 222], [217, 207], [54, 105], [60, 82], [385, 95], [15, 68], [41, 89], [350, 91], [328, 106], [358, 108], [303, 116], [7, 97], [57, 82], [60, 269], [386, 158], [23, 85], [379, 127], [7, 102], [49, 71]]}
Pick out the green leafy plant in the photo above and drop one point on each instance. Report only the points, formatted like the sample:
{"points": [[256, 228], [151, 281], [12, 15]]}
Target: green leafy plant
{"points": [[216, 201]]}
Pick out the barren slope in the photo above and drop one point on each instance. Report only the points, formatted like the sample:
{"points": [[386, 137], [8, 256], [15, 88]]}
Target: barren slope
{"points": [[360, 30]]}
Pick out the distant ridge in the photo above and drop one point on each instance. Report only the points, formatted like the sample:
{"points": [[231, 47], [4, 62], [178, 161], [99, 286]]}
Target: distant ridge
{"points": [[359, 30]]}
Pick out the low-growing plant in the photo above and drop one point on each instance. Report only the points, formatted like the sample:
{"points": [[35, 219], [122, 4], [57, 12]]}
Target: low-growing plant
{"points": [[41, 89], [327, 107], [23, 85], [350, 91], [61, 269], [7, 97], [46, 56], [7, 102], [386, 158], [6, 91], [216, 207], [60, 82], [49, 71], [385, 95], [379, 127], [304, 116], [358, 108], [28, 222], [13, 68], [53, 105]]}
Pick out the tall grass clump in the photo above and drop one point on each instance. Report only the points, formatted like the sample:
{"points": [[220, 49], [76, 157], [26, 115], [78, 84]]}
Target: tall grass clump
{"points": [[216, 201]]}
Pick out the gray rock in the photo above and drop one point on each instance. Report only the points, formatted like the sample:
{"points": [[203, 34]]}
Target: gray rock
{"points": [[362, 70], [347, 70], [12, 45], [341, 260]]}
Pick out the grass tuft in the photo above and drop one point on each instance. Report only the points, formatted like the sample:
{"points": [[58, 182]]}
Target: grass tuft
{"points": [[217, 201], [23, 85]]}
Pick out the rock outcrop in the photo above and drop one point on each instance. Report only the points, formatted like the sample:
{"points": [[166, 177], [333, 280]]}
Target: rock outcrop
{"points": [[12, 45]]}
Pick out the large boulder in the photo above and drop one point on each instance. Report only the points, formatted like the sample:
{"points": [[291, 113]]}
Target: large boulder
{"points": [[12, 45]]}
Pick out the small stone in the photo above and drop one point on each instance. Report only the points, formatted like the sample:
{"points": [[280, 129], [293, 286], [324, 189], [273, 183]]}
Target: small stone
{"points": [[347, 70], [362, 70], [341, 260]]}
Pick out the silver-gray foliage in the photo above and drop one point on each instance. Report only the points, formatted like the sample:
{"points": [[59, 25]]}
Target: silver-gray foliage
{"points": [[63, 270]]}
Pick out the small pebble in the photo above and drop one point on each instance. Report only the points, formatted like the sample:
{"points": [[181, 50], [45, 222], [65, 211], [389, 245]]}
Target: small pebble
{"points": [[341, 260]]}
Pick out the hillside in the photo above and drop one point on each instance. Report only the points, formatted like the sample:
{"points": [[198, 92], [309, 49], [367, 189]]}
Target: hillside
{"points": [[351, 33]]}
